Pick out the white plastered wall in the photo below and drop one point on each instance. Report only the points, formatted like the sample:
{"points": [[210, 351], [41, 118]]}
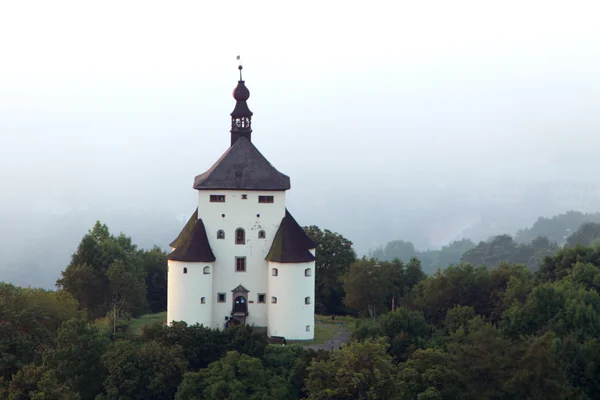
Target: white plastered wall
{"points": [[290, 316], [252, 216], [186, 290]]}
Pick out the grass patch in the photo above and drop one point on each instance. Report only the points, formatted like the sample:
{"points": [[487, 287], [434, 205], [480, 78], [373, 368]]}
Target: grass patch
{"points": [[324, 333], [137, 324]]}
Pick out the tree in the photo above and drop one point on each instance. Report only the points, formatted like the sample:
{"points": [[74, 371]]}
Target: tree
{"points": [[396, 249], [359, 370], [235, 376], [106, 270], [76, 357], [38, 383], [202, 346], [143, 371], [539, 373], [334, 256], [364, 286], [430, 374], [127, 287], [155, 265], [585, 235], [461, 284], [29, 319]]}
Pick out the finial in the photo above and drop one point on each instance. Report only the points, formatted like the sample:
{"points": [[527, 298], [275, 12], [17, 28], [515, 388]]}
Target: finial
{"points": [[240, 67]]}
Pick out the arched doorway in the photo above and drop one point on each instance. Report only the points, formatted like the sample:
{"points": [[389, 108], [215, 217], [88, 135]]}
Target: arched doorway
{"points": [[240, 305]]}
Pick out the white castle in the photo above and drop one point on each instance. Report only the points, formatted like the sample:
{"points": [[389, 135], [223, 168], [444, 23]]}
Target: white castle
{"points": [[242, 258]]}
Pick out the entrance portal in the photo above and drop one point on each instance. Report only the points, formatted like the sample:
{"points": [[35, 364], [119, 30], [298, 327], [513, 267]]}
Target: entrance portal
{"points": [[240, 305]]}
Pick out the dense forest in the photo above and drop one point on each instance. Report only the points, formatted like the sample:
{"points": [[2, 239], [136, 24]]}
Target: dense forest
{"points": [[507, 318]]}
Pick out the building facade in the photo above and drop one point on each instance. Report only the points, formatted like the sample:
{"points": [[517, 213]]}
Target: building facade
{"points": [[242, 258]]}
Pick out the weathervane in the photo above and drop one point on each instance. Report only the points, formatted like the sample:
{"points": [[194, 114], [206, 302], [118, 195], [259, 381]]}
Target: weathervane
{"points": [[239, 66]]}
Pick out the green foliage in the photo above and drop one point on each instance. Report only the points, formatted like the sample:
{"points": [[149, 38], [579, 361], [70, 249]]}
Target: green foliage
{"points": [[143, 371], [430, 374], [155, 264], [503, 249], [75, 358], [372, 284], [585, 235], [29, 320], [334, 256], [202, 346], [405, 330], [360, 370], [235, 376], [109, 273], [38, 383]]}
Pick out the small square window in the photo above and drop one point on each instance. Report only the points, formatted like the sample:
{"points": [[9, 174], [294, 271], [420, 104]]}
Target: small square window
{"points": [[266, 199], [221, 297], [274, 300], [307, 300], [262, 234], [203, 300], [244, 197], [307, 328], [217, 198], [261, 298], [240, 264]]}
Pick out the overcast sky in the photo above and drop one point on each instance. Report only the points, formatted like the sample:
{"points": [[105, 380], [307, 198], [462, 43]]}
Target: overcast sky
{"points": [[374, 109]]}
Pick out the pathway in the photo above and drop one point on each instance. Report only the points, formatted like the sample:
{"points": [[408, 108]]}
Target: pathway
{"points": [[342, 335]]}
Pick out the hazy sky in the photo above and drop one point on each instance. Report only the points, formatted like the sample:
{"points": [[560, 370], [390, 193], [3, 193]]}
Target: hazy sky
{"points": [[373, 108]]}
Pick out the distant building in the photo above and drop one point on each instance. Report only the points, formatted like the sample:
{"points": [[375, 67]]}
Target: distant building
{"points": [[242, 258]]}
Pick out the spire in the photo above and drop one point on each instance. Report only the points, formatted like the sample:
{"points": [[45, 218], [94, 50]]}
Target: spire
{"points": [[241, 117]]}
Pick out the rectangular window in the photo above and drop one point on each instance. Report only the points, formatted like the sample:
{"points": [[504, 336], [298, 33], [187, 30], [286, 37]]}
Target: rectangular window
{"points": [[244, 197], [266, 199], [217, 198], [261, 297], [221, 297], [240, 264]]}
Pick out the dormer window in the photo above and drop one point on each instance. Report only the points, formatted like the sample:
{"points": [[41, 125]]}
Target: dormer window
{"points": [[262, 234], [217, 198], [266, 199], [240, 236], [220, 234]]}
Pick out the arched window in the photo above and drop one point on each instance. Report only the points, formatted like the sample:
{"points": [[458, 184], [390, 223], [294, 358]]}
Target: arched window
{"points": [[262, 234], [185, 270], [206, 270], [220, 234], [274, 272], [240, 236], [307, 300], [274, 300], [203, 300], [307, 272]]}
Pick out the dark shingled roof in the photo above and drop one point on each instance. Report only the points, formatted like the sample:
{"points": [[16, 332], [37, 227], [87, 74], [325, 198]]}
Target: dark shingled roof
{"points": [[187, 229], [242, 167], [291, 244], [194, 247]]}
